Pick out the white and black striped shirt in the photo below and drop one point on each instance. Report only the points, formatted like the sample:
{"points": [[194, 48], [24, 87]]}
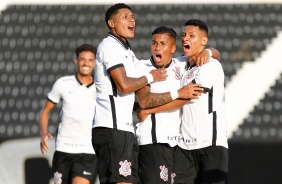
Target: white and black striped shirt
{"points": [[163, 127], [78, 111], [203, 119], [114, 109]]}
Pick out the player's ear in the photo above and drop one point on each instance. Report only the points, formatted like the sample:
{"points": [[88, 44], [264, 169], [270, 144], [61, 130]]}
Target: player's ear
{"points": [[75, 60], [173, 49], [111, 23], [204, 41]]}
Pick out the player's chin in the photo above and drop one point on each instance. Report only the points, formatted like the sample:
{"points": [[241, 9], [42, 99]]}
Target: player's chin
{"points": [[186, 53], [85, 73], [130, 35], [159, 64]]}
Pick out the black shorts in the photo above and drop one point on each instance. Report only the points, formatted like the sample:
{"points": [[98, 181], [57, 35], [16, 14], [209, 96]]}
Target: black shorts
{"points": [[66, 166], [201, 166], [117, 153], [155, 163]]}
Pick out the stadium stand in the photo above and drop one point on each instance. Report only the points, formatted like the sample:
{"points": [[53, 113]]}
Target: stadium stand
{"points": [[37, 43], [265, 122]]}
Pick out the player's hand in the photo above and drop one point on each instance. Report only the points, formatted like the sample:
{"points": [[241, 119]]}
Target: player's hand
{"points": [[192, 91], [202, 58], [159, 74], [141, 114], [44, 143]]}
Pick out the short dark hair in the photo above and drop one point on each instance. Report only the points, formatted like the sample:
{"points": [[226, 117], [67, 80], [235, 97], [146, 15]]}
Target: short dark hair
{"points": [[113, 10], [196, 22], [85, 47], [165, 30]]}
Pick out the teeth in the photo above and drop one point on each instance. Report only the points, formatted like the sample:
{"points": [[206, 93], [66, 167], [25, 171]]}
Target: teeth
{"points": [[85, 68], [187, 46]]}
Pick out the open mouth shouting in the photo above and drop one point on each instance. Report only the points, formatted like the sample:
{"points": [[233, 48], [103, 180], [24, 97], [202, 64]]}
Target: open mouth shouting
{"points": [[186, 47], [158, 58], [131, 28]]}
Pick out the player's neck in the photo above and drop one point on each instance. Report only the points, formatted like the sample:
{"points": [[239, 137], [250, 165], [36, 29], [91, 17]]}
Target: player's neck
{"points": [[85, 79], [192, 61]]}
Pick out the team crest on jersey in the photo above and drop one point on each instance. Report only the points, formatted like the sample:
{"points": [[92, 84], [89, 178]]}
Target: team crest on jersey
{"points": [[177, 73], [57, 178], [164, 173], [172, 177], [191, 73], [125, 169]]}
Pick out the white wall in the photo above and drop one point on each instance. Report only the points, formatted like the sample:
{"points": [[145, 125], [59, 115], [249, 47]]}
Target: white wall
{"points": [[13, 155]]}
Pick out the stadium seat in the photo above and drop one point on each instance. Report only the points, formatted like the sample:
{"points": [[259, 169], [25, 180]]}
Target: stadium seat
{"points": [[38, 41]]}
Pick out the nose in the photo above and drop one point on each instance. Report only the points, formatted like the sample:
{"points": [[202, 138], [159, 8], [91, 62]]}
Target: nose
{"points": [[86, 62], [158, 47], [184, 37], [132, 19]]}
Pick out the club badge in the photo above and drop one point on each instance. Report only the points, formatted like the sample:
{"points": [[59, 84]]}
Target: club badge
{"points": [[191, 73], [125, 169], [164, 173], [176, 71], [57, 178], [172, 177]]}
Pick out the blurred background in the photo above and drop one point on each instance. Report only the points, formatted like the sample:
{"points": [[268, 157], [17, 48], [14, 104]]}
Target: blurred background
{"points": [[37, 42]]}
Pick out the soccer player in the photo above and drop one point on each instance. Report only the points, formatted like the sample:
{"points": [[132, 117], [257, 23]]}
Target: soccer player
{"points": [[157, 134], [202, 152], [117, 79], [74, 160]]}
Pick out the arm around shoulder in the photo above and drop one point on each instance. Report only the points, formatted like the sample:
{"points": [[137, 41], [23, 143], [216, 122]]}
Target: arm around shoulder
{"points": [[214, 53], [175, 104]]}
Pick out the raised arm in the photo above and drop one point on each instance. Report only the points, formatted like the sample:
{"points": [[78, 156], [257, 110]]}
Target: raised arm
{"points": [[128, 84], [204, 56], [147, 99], [215, 53], [143, 113]]}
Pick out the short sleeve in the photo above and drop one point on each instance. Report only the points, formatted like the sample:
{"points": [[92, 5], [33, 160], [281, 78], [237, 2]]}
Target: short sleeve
{"points": [[110, 57], [141, 68], [210, 74], [55, 94]]}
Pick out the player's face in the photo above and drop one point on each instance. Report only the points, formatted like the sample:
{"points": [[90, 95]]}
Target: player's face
{"points": [[85, 63], [194, 40], [122, 23], [162, 48]]}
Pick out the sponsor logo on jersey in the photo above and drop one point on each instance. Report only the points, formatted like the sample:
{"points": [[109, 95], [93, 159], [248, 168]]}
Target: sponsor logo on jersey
{"points": [[129, 124], [148, 64], [125, 169], [164, 173], [190, 142], [86, 173], [171, 138]]}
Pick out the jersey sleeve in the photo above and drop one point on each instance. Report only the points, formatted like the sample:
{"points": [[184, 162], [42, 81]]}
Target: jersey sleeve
{"points": [[55, 94], [110, 57], [210, 74], [141, 68], [212, 77]]}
